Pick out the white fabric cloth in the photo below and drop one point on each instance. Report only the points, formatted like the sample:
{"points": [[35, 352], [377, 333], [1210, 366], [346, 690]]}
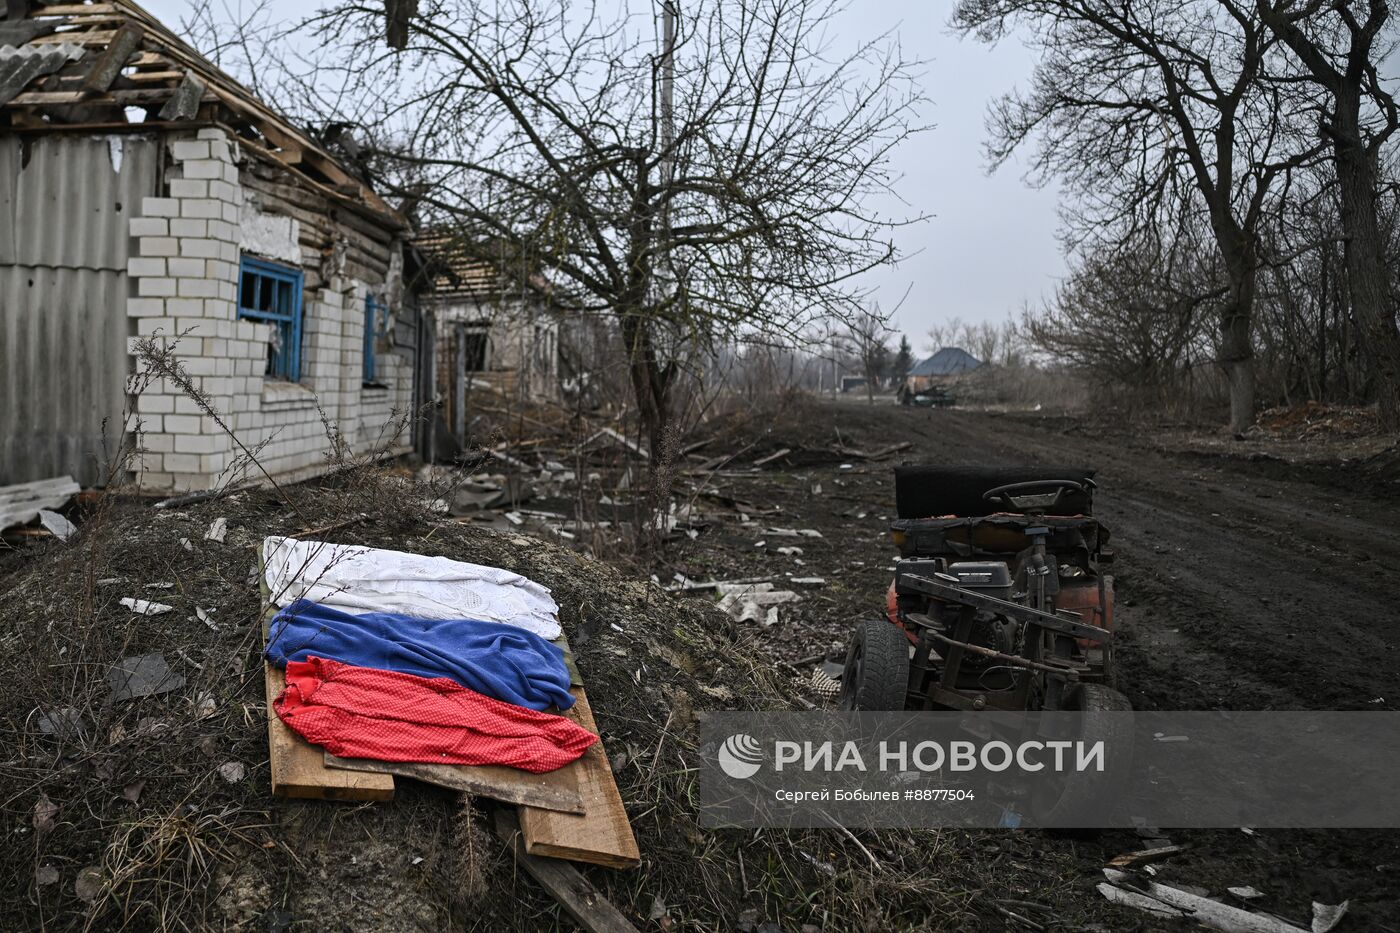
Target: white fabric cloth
{"points": [[358, 579]]}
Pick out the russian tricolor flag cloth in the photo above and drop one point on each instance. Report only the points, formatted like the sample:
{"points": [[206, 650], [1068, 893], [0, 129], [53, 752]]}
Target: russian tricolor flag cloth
{"points": [[358, 712]]}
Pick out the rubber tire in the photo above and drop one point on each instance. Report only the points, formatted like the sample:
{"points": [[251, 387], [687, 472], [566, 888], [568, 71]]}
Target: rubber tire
{"points": [[1094, 698], [876, 677]]}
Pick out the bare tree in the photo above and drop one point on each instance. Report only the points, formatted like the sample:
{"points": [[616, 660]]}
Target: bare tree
{"points": [[867, 337], [1128, 317], [700, 178], [1340, 44], [1155, 113]]}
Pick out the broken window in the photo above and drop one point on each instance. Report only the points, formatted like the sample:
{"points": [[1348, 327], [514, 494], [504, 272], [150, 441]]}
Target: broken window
{"points": [[474, 345], [271, 294], [376, 324]]}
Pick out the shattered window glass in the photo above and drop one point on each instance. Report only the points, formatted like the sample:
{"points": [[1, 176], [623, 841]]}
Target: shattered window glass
{"points": [[270, 293]]}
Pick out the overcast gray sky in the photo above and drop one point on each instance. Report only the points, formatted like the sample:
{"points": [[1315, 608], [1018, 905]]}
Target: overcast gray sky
{"points": [[989, 245]]}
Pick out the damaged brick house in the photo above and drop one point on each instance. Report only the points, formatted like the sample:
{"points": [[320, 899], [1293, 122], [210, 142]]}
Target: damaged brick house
{"points": [[145, 192], [496, 331]]}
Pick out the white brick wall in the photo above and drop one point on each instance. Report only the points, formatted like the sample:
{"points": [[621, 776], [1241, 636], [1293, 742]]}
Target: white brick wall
{"points": [[184, 275]]}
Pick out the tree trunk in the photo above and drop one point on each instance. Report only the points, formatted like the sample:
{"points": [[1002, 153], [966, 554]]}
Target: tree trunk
{"points": [[1365, 260], [1236, 355], [1237, 359], [651, 384]]}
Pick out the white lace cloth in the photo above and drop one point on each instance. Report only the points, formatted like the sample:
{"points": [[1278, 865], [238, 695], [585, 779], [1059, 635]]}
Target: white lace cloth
{"points": [[358, 579]]}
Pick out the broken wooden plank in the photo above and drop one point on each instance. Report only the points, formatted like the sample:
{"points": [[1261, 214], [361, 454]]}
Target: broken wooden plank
{"points": [[299, 768], [75, 9], [1129, 859], [579, 897], [603, 834], [553, 790], [617, 439], [112, 59], [94, 37], [879, 454], [773, 456]]}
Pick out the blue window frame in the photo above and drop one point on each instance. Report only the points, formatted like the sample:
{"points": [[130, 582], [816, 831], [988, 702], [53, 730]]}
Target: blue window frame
{"points": [[271, 293], [376, 320]]}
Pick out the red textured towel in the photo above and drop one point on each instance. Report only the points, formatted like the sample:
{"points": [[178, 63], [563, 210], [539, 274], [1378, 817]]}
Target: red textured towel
{"points": [[361, 712]]}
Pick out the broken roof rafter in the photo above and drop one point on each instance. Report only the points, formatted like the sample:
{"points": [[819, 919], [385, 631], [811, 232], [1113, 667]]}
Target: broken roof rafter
{"points": [[79, 65]]}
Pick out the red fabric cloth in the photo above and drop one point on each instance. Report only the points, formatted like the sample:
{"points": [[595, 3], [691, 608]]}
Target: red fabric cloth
{"points": [[361, 712]]}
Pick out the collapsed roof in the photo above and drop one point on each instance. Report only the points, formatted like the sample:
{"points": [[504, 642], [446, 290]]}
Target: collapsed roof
{"points": [[460, 272], [111, 66]]}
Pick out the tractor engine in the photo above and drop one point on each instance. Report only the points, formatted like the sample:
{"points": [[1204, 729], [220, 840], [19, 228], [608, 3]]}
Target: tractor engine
{"points": [[989, 629]]}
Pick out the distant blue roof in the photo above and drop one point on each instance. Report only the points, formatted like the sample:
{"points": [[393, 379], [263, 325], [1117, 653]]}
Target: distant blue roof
{"points": [[949, 361]]}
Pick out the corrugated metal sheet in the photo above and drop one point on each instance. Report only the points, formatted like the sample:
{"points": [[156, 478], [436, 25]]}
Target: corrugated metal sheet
{"points": [[65, 205]]}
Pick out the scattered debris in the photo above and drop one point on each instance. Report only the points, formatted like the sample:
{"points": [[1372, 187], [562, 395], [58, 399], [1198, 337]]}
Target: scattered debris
{"points": [[218, 530], [21, 503], [608, 434], [233, 771], [824, 685], [793, 532], [1149, 896], [1327, 916], [144, 607], [879, 454], [132, 791], [203, 616], [143, 676], [175, 502], [66, 721], [60, 527], [1243, 893], [753, 602], [773, 456], [45, 875]]}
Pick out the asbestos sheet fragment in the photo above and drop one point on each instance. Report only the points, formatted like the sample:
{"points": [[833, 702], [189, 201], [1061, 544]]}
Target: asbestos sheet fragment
{"points": [[142, 676]]}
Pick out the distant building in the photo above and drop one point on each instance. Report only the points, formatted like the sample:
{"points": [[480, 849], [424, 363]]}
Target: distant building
{"points": [[946, 365]]}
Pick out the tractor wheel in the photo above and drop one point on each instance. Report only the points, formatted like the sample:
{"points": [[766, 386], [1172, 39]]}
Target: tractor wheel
{"points": [[1102, 708], [877, 668]]}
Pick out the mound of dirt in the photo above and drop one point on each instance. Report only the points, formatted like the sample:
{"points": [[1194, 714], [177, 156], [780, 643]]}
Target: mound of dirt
{"points": [[1314, 419], [155, 812]]}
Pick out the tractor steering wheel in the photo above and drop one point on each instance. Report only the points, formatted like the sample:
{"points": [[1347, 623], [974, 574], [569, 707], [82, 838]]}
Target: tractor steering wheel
{"points": [[1023, 497]]}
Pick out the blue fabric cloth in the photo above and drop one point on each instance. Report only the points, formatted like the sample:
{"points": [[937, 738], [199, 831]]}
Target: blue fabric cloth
{"points": [[501, 661]]}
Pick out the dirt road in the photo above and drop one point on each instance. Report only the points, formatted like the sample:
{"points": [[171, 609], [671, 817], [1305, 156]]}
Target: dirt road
{"points": [[1241, 584]]}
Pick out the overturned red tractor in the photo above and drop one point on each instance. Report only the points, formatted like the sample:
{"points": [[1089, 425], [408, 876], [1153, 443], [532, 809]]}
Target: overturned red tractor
{"points": [[999, 601]]}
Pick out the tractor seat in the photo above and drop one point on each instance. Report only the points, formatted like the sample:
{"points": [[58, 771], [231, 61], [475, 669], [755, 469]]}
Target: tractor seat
{"points": [[926, 491]]}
